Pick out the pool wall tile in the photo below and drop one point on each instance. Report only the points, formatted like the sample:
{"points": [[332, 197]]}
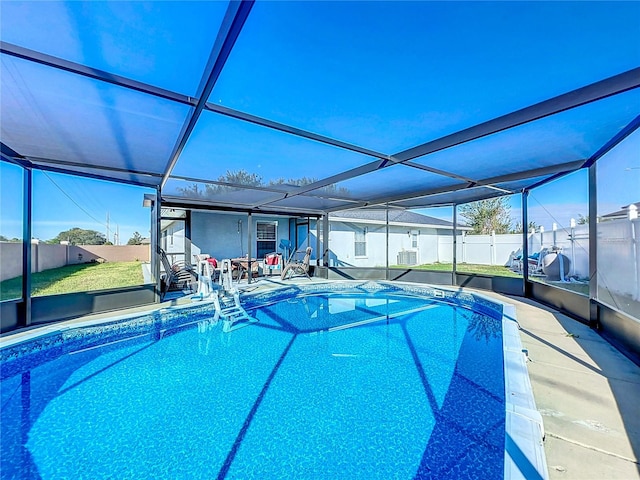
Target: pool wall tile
{"points": [[524, 456]]}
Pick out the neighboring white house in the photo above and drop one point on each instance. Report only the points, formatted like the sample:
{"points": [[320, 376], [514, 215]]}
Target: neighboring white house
{"points": [[622, 214], [358, 238]]}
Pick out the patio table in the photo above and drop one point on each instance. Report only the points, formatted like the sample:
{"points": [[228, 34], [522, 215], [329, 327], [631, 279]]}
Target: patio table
{"points": [[241, 265]]}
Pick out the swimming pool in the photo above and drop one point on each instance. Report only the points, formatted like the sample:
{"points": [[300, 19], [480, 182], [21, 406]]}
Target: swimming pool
{"points": [[337, 380]]}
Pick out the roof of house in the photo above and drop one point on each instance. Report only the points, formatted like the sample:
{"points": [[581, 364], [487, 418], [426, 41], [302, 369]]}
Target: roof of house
{"points": [[620, 213], [395, 216]]}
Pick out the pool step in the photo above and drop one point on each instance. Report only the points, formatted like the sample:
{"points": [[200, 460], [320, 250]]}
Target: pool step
{"points": [[233, 315]]}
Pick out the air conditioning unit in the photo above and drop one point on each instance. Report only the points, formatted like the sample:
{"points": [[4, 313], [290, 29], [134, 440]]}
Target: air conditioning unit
{"points": [[407, 257]]}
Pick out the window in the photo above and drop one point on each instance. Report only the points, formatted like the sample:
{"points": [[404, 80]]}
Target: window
{"points": [[266, 237], [414, 238], [361, 243]]}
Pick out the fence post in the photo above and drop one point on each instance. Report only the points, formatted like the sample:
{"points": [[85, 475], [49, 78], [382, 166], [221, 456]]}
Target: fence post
{"points": [[532, 232], [493, 247], [572, 236], [464, 250], [66, 251], [454, 246], [35, 242]]}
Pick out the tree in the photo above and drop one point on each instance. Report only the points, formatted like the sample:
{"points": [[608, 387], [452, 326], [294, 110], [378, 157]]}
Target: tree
{"points": [[582, 220], [136, 239], [518, 227], [486, 216], [301, 182], [12, 240], [242, 178], [79, 236]]}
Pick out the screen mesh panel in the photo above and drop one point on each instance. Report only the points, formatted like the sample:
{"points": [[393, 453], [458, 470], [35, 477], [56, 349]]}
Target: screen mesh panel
{"points": [[53, 114], [165, 44], [448, 198], [394, 180], [224, 148], [565, 137], [391, 75]]}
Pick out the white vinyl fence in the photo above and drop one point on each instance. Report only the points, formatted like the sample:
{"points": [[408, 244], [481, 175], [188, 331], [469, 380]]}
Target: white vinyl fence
{"points": [[500, 249], [618, 252], [488, 249], [619, 257], [572, 242]]}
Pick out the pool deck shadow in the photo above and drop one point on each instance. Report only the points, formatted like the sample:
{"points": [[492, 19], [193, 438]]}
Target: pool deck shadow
{"points": [[587, 392]]}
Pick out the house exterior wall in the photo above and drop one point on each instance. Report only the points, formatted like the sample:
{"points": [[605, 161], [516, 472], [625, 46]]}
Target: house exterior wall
{"points": [[173, 241], [342, 240], [400, 240], [217, 234], [445, 248], [221, 236]]}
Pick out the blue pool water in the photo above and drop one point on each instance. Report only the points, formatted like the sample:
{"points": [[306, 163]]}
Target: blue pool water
{"points": [[339, 385]]}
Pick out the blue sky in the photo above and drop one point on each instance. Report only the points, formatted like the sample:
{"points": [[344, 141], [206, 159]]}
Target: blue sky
{"points": [[337, 69], [61, 202]]}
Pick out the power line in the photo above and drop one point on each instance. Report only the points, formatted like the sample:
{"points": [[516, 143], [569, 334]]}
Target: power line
{"points": [[73, 201]]}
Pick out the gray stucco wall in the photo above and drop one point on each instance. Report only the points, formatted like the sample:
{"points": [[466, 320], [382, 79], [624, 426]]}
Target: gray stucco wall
{"points": [[222, 236]]}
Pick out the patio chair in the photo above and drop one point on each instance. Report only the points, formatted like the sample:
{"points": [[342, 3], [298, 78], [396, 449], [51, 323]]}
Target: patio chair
{"points": [[177, 276], [535, 262], [294, 267], [272, 261], [208, 274]]}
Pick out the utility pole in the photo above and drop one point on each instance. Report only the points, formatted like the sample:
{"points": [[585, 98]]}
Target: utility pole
{"points": [[108, 233]]}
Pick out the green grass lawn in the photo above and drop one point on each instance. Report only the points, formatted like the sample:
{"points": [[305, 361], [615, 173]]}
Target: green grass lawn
{"points": [[76, 278], [496, 270]]}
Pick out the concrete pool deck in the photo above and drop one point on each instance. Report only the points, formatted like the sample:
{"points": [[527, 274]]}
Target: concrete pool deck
{"points": [[587, 392]]}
